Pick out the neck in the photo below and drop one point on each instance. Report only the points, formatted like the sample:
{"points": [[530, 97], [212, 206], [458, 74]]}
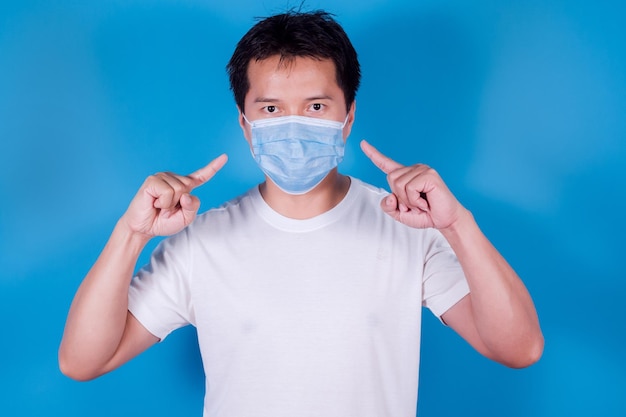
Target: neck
{"points": [[322, 198]]}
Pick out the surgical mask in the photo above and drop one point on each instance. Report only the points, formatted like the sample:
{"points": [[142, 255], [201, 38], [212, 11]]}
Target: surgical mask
{"points": [[297, 152]]}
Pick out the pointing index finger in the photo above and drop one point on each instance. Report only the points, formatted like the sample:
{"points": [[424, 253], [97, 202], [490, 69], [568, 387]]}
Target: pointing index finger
{"points": [[207, 172], [385, 164]]}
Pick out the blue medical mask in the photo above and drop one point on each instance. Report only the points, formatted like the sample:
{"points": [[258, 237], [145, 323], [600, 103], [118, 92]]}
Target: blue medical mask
{"points": [[297, 152]]}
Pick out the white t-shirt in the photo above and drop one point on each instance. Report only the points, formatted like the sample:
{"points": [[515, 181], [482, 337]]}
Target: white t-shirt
{"points": [[297, 318]]}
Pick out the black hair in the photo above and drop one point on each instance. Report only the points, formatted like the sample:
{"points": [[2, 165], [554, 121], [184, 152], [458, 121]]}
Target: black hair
{"points": [[295, 34]]}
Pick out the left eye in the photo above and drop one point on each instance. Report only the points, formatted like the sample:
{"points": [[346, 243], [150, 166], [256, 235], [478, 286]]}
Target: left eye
{"points": [[316, 106]]}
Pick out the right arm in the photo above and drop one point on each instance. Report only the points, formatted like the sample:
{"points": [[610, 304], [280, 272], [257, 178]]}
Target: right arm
{"points": [[100, 333]]}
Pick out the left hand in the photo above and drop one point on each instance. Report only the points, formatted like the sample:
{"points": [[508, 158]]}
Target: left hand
{"points": [[419, 198]]}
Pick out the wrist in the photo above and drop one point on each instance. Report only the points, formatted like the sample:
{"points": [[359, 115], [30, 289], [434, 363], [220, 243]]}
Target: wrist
{"points": [[128, 237], [462, 226]]}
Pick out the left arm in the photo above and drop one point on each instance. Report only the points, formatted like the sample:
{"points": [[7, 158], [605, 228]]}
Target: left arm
{"points": [[498, 317]]}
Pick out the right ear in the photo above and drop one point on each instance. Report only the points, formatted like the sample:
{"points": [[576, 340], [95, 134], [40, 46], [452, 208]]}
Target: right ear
{"points": [[245, 127]]}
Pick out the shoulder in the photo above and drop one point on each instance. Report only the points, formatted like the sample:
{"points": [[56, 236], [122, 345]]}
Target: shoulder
{"points": [[366, 191], [369, 198], [226, 216], [367, 187]]}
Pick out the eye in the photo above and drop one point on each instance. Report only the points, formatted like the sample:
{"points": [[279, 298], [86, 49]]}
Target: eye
{"points": [[317, 106], [270, 109]]}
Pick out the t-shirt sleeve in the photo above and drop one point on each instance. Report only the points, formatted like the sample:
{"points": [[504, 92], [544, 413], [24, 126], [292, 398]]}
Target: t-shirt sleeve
{"points": [[159, 295], [444, 283]]}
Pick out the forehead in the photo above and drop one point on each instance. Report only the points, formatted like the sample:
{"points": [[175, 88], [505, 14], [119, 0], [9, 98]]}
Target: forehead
{"points": [[291, 76]]}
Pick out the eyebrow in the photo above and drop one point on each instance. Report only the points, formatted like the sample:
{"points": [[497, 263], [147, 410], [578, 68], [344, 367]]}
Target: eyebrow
{"points": [[266, 100], [275, 100], [324, 97]]}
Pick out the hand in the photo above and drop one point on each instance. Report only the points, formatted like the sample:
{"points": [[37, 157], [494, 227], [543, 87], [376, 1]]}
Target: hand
{"points": [[163, 205], [419, 198]]}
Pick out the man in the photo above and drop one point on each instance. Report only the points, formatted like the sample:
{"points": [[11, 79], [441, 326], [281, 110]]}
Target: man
{"points": [[306, 291]]}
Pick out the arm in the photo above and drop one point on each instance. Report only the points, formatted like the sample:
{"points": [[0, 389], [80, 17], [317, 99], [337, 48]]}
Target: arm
{"points": [[498, 317], [100, 333]]}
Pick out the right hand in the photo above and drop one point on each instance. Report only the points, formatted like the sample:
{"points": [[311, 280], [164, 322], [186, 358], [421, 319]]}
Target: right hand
{"points": [[163, 205]]}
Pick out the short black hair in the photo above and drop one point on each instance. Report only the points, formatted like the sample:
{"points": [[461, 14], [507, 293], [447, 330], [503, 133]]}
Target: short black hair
{"points": [[295, 34]]}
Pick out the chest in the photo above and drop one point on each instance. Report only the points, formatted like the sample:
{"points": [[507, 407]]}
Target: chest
{"points": [[318, 285]]}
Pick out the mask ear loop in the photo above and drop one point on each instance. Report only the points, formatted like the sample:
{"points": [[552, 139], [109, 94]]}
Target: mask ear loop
{"points": [[248, 121], [245, 118], [345, 122]]}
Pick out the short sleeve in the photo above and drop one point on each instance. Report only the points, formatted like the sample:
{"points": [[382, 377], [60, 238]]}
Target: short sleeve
{"points": [[444, 283], [159, 295]]}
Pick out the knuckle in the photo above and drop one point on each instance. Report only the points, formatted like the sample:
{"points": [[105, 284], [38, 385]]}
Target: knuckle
{"points": [[153, 178], [393, 175]]}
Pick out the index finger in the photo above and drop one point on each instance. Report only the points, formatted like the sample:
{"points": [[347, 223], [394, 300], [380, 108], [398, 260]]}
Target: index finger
{"points": [[385, 164], [207, 172]]}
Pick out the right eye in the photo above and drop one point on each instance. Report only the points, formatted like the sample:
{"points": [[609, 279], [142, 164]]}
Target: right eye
{"points": [[270, 109]]}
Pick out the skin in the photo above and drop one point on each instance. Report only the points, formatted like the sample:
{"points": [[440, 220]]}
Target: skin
{"points": [[497, 318]]}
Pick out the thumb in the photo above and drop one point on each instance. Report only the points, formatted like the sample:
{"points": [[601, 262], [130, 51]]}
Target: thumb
{"points": [[389, 204], [189, 206]]}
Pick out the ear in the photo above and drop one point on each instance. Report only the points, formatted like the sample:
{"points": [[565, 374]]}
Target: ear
{"points": [[245, 127], [349, 121]]}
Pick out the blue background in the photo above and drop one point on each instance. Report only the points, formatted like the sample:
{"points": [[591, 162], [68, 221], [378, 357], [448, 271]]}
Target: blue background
{"points": [[519, 105]]}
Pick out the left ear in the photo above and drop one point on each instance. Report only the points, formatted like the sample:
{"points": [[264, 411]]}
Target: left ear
{"points": [[349, 121]]}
